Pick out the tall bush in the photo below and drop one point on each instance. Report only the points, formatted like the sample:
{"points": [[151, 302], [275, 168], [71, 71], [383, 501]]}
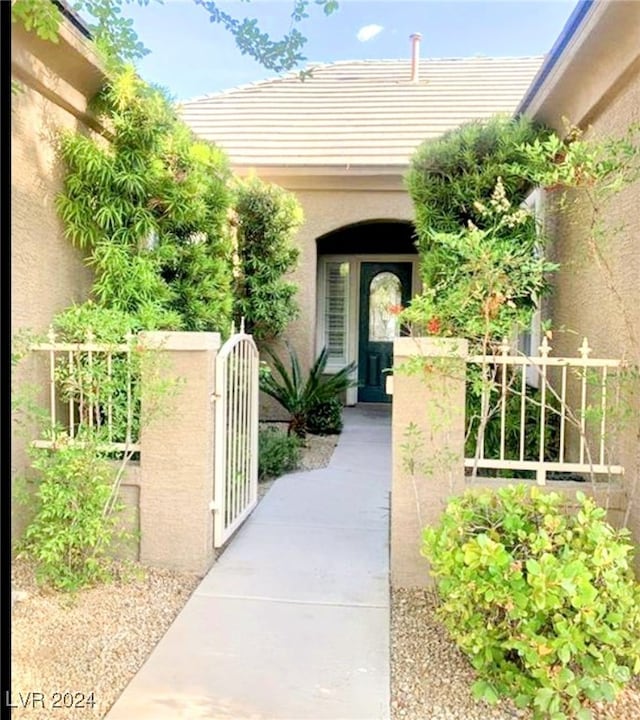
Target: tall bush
{"points": [[267, 219], [477, 246], [447, 174], [150, 206]]}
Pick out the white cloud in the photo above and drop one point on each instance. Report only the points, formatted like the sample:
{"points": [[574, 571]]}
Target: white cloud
{"points": [[368, 32]]}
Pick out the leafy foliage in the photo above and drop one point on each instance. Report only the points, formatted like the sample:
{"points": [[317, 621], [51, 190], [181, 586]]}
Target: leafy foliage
{"points": [[70, 533], [104, 389], [278, 453], [267, 218], [325, 418], [603, 167], [487, 279], [544, 603], [116, 37], [113, 34], [481, 271], [151, 210], [450, 173], [278, 55], [298, 394]]}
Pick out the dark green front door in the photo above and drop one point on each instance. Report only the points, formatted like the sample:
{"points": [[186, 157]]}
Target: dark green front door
{"points": [[384, 288]]}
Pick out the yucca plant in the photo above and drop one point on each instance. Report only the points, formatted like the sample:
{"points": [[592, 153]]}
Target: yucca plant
{"points": [[299, 394]]}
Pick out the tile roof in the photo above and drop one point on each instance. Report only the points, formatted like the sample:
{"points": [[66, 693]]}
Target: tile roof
{"points": [[365, 113]]}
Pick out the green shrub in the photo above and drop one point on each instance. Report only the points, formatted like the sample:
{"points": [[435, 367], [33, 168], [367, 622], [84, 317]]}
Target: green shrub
{"points": [[70, 533], [267, 220], [151, 210], [544, 603], [325, 418], [278, 453], [300, 394], [481, 271], [447, 174]]}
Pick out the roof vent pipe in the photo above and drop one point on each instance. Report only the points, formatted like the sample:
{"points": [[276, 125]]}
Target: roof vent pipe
{"points": [[415, 55]]}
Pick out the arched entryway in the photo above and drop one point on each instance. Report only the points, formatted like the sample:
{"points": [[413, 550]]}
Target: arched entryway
{"points": [[366, 272]]}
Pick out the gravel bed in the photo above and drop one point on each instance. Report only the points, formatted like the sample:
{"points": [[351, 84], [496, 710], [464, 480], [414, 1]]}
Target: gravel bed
{"points": [[95, 641], [431, 679]]}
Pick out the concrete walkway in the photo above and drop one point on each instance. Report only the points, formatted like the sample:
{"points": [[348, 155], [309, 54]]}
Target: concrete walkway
{"points": [[292, 621]]}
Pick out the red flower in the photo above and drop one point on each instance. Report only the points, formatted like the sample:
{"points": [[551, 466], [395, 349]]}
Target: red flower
{"points": [[434, 326], [395, 309]]}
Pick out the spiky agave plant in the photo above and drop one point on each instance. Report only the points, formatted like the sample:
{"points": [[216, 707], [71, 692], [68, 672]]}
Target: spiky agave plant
{"points": [[299, 394]]}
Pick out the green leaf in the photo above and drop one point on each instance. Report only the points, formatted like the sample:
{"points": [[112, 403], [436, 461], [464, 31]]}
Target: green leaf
{"points": [[483, 690]]}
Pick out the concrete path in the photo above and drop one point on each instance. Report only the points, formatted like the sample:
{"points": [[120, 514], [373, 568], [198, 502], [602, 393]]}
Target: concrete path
{"points": [[292, 621]]}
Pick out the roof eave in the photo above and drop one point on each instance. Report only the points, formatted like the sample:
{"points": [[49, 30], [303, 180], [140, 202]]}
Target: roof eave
{"points": [[553, 61], [597, 51]]}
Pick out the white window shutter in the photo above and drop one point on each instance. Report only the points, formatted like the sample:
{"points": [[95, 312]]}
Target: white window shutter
{"points": [[336, 311]]}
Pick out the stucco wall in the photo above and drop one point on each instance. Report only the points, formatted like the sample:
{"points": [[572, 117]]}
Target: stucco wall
{"points": [[589, 299], [47, 274], [338, 202]]}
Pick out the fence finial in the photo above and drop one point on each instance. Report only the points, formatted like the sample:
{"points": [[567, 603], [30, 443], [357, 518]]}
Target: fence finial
{"points": [[545, 348], [584, 349], [242, 325], [233, 327], [51, 335], [504, 346], [90, 335]]}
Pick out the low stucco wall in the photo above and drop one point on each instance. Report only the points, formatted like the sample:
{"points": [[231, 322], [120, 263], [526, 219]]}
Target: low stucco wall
{"points": [[128, 548], [54, 83]]}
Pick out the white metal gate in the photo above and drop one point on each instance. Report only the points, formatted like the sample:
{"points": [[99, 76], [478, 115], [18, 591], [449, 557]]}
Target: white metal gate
{"points": [[235, 491]]}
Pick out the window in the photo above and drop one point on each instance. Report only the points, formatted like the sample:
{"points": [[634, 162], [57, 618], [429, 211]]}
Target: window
{"points": [[385, 298], [529, 341], [336, 311]]}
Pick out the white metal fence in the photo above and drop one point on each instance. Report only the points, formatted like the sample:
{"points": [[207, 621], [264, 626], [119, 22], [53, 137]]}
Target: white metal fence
{"points": [[91, 386], [543, 414], [236, 428]]}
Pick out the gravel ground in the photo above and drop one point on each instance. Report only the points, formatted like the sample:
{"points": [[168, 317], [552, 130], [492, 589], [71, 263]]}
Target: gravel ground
{"points": [[97, 640], [431, 679], [92, 643]]}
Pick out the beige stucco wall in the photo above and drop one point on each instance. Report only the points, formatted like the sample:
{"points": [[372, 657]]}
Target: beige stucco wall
{"points": [[330, 203], [47, 274], [590, 300]]}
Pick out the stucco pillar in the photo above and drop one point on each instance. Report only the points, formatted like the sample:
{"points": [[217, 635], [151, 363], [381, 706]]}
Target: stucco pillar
{"points": [[176, 457], [428, 425]]}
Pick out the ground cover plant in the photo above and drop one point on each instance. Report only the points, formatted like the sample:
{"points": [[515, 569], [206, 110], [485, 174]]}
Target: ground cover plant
{"points": [[543, 602], [325, 418], [278, 452]]}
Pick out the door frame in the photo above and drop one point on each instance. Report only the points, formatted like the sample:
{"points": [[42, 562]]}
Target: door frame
{"points": [[353, 320]]}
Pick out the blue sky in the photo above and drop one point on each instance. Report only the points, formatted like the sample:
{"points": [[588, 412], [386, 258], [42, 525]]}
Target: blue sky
{"points": [[191, 56]]}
